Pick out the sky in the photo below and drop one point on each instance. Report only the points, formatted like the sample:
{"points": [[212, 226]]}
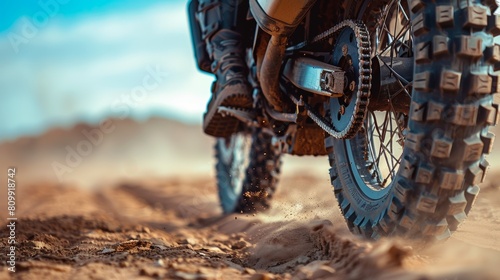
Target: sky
{"points": [[66, 61]]}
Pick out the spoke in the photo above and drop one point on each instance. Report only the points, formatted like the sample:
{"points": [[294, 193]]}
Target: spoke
{"points": [[400, 34], [403, 11], [376, 125], [383, 19], [382, 139], [390, 141], [403, 88], [390, 151], [372, 150], [400, 78], [388, 130], [386, 147], [386, 159], [393, 131], [391, 154], [382, 24], [393, 110], [370, 131], [391, 172], [384, 128], [375, 157], [388, 10], [395, 39], [384, 150]]}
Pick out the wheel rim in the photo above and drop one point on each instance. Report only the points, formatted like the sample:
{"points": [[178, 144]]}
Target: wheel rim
{"points": [[234, 155], [376, 151]]}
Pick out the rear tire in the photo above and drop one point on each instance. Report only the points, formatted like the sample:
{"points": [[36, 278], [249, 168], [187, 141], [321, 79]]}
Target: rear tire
{"points": [[248, 167], [446, 135]]}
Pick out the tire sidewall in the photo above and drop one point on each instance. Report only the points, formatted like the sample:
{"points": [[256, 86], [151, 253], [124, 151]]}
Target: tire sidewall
{"points": [[350, 188]]}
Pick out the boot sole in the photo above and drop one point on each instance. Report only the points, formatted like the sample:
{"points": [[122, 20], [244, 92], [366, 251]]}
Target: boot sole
{"points": [[217, 125]]}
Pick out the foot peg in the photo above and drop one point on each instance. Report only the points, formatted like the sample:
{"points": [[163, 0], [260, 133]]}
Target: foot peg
{"points": [[243, 115]]}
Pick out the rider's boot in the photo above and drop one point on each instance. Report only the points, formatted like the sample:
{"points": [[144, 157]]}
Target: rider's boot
{"points": [[224, 45]]}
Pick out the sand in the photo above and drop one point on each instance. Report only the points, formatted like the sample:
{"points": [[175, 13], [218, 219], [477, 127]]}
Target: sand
{"points": [[143, 204]]}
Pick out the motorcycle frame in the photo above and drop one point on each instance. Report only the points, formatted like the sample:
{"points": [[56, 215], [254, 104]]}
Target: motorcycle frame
{"points": [[275, 22]]}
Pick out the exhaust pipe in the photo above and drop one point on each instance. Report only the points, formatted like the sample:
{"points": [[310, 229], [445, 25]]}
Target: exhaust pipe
{"points": [[279, 18], [270, 71]]}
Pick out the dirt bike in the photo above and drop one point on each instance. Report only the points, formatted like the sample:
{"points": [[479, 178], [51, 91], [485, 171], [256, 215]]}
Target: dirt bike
{"points": [[398, 94]]}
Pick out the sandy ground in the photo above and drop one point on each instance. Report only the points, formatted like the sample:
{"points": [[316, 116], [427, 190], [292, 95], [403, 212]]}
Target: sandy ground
{"points": [[148, 224]]}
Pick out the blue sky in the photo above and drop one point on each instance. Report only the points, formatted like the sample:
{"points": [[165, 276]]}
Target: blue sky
{"points": [[71, 61], [12, 10]]}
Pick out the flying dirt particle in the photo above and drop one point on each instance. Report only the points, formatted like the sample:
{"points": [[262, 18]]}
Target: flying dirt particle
{"points": [[213, 249], [152, 272], [236, 218], [323, 272], [131, 244], [38, 245], [189, 276], [249, 271], [186, 246], [36, 266], [262, 276], [315, 269], [233, 265], [190, 241], [240, 245], [159, 263], [159, 246], [107, 251]]}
